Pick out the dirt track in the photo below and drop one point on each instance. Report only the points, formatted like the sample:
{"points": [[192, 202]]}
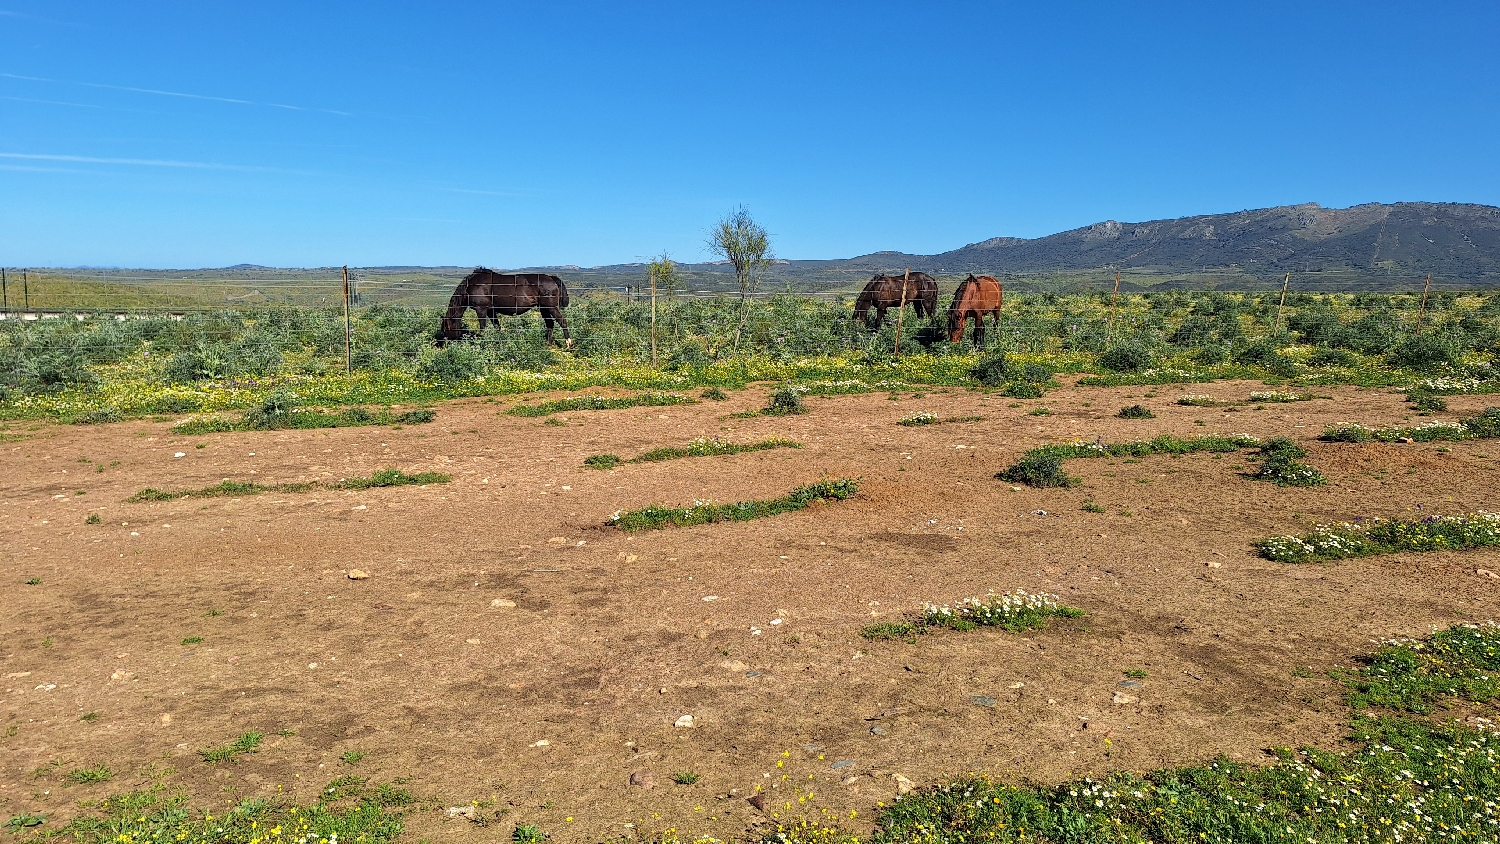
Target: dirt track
{"points": [[613, 637]]}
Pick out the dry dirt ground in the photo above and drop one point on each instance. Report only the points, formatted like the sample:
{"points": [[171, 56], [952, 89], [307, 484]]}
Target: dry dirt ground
{"points": [[509, 649]]}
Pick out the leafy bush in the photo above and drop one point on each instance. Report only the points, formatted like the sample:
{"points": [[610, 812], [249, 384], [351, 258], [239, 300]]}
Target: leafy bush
{"points": [[1023, 390], [785, 400], [1327, 356], [1038, 470], [1126, 357], [1136, 411], [1424, 352], [1280, 464], [99, 416], [991, 370], [602, 461], [453, 363]]}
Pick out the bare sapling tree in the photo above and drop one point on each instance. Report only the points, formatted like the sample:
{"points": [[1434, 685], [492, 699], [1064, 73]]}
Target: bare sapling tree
{"points": [[745, 244], [662, 273]]}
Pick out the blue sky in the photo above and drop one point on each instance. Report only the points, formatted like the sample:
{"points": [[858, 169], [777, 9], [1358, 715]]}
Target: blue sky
{"points": [[192, 134]]}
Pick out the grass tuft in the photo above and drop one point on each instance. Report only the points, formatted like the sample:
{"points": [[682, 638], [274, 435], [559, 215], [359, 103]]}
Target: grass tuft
{"points": [[1367, 537], [1011, 611], [381, 478], [702, 512], [248, 742], [89, 776], [566, 405], [1136, 411], [701, 447]]}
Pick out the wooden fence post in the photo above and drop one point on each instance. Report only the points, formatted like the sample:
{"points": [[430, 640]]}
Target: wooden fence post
{"points": [[1285, 283], [652, 273], [1422, 315], [1109, 329], [348, 357], [901, 310]]}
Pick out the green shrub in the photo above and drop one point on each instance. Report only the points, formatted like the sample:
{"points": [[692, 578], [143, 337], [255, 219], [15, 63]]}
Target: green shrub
{"points": [[714, 394], [1280, 464], [785, 400], [991, 370], [1424, 352], [1126, 357], [1135, 411], [1023, 390], [99, 416], [1326, 356], [1038, 470], [602, 461]]}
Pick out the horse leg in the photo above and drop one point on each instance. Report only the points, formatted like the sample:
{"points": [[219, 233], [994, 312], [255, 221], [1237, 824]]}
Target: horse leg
{"points": [[978, 330], [554, 313]]}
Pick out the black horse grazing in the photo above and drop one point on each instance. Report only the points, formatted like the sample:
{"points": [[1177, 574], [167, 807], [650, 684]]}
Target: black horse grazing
{"points": [[885, 291], [493, 295]]}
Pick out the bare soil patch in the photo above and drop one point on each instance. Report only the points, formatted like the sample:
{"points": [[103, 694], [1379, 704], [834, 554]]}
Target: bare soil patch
{"points": [[508, 647]]}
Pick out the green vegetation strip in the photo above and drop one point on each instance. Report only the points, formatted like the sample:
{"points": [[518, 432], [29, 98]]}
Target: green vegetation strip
{"points": [[1366, 538], [653, 518], [1484, 426], [1409, 780], [280, 412], [572, 403], [1279, 458], [348, 810], [1012, 611], [933, 419], [382, 478], [701, 447]]}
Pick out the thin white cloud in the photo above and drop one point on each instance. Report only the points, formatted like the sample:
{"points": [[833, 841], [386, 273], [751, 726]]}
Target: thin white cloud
{"points": [[179, 94], [142, 162], [21, 168], [487, 192], [49, 102]]}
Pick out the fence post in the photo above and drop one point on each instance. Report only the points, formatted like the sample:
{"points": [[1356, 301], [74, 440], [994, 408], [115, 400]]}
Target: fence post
{"points": [[1109, 329], [348, 358], [4, 290], [25, 290], [901, 310], [1287, 282], [1422, 315], [652, 273]]}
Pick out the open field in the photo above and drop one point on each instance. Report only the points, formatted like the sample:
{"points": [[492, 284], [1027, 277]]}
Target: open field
{"points": [[509, 651]]}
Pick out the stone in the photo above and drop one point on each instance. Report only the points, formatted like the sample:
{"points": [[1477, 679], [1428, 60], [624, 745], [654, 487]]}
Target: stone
{"points": [[502, 604], [1487, 573], [1131, 684], [734, 665], [810, 748], [842, 763], [1213, 564], [685, 722], [758, 801], [878, 730], [1122, 698], [358, 574], [903, 785], [643, 779], [983, 700], [466, 812], [557, 540], [851, 780]]}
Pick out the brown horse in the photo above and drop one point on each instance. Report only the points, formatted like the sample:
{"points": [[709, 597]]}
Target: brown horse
{"points": [[885, 291], [974, 297], [493, 295]]}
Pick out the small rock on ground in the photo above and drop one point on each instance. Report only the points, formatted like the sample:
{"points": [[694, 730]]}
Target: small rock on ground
{"points": [[643, 779], [358, 574], [903, 785]]}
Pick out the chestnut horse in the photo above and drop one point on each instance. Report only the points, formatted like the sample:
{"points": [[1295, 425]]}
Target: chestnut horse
{"points": [[885, 291], [974, 297], [493, 295]]}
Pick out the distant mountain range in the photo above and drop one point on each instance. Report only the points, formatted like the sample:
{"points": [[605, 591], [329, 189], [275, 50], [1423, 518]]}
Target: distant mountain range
{"points": [[1366, 246]]}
